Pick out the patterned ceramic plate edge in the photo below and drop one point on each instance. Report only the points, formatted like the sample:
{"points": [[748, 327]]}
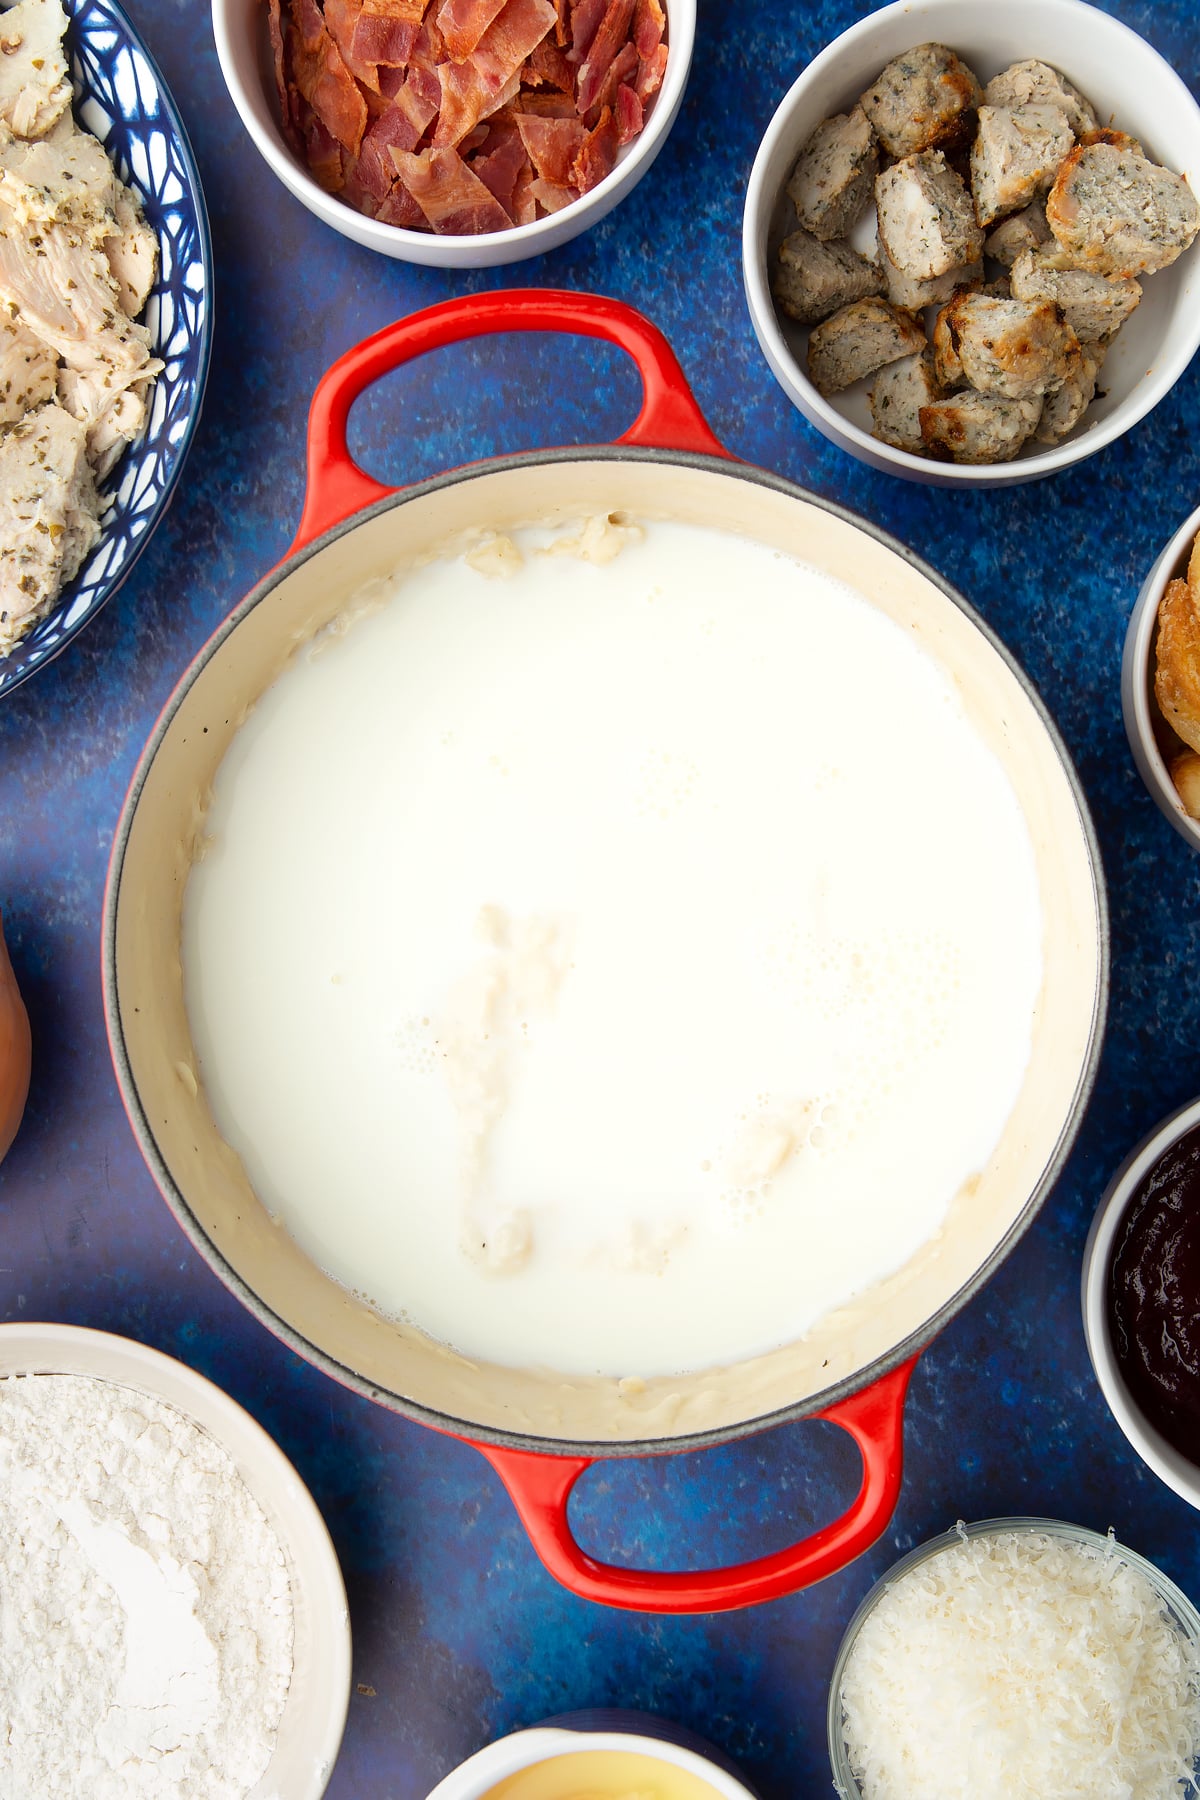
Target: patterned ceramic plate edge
{"points": [[121, 97]]}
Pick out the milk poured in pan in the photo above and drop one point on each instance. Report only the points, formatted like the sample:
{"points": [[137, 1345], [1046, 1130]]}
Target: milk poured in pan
{"points": [[614, 948]]}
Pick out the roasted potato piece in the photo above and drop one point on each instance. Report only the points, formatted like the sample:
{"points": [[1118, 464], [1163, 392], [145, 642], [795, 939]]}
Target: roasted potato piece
{"points": [[1184, 771], [1177, 660]]}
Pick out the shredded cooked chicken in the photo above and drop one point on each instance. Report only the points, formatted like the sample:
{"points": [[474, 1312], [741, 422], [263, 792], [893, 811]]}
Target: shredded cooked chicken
{"points": [[35, 88], [77, 262], [48, 514], [28, 371]]}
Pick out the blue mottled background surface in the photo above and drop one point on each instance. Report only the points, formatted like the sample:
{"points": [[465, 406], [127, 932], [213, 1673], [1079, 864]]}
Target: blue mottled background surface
{"points": [[459, 1635]]}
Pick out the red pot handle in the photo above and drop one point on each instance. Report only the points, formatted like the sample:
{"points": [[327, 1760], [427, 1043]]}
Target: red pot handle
{"points": [[336, 487], [540, 1487]]}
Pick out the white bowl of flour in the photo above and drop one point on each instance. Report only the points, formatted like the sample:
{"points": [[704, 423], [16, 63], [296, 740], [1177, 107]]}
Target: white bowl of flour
{"points": [[174, 1619]]}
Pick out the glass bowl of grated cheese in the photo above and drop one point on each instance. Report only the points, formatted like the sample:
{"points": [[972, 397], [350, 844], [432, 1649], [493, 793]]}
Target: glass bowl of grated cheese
{"points": [[1018, 1659]]}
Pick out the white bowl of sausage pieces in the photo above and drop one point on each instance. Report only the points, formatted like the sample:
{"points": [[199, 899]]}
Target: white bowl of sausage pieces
{"points": [[968, 243]]}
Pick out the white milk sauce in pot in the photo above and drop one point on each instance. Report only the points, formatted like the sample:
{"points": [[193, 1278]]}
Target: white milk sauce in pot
{"points": [[613, 948]]}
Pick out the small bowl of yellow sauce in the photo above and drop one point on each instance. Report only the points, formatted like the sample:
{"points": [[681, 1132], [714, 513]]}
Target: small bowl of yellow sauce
{"points": [[596, 1756]]}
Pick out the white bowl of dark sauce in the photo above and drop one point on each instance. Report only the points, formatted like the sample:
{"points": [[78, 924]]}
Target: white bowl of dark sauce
{"points": [[1141, 1300]]}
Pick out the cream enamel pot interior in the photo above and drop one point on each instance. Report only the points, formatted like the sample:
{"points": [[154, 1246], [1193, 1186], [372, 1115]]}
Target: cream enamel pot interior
{"points": [[539, 1430]]}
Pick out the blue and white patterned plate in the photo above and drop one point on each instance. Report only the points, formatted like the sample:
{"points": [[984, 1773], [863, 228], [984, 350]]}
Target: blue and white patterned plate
{"points": [[120, 97]]}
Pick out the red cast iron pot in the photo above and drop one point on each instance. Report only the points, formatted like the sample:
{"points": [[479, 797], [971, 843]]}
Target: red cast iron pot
{"points": [[541, 1433]]}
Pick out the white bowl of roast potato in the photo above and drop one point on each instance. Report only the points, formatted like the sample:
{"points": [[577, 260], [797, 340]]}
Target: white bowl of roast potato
{"points": [[1162, 720], [1131, 90]]}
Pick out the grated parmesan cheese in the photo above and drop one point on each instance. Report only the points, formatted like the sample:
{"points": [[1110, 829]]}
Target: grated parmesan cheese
{"points": [[1021, 1665]]}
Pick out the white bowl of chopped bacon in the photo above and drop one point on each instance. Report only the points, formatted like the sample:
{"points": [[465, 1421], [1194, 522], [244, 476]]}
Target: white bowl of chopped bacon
{"points": [[459, 133]]}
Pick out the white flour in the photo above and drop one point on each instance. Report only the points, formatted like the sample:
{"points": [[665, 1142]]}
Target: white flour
{"points": [[145, 1609]]}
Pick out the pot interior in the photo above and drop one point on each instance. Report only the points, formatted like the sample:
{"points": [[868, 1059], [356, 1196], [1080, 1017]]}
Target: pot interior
{"points": [[204, 1181]]}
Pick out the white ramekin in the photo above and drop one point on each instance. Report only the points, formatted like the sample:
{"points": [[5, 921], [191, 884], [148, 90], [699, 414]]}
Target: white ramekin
{"points": [[1137, 681], [314, 1715], [633, 1733], [1127, 81], [239, 27], [1169, 1464]]}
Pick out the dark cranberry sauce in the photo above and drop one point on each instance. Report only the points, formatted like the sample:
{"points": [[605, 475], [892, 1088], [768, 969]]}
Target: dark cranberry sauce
{"points": [[1154, 1296]]}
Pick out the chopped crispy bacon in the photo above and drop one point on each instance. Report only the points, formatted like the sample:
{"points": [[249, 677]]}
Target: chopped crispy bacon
{"points": [[622, 68], [610, 35], [310, 26], [324, 80], [420, 97], [508, 93], [341, 21], [379, 40], [466, 99], [323, 154], [464, 116], [548, 67], [649, 27], [585, 22], [429, 51], [463, 23], [401, 209], [275, 31], [630, 118], [387, 30], [453, 200], [512, 37], [551, 195], [503, 162], [650, 74], [393, 129], [490, 77], [391, 81], [544, 106], [553, 145], [353, 192], [404, 12], [597, 154], [524, 206]]}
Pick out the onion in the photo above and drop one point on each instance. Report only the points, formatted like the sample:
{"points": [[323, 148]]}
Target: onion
{"points": [[15, 1045]]}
